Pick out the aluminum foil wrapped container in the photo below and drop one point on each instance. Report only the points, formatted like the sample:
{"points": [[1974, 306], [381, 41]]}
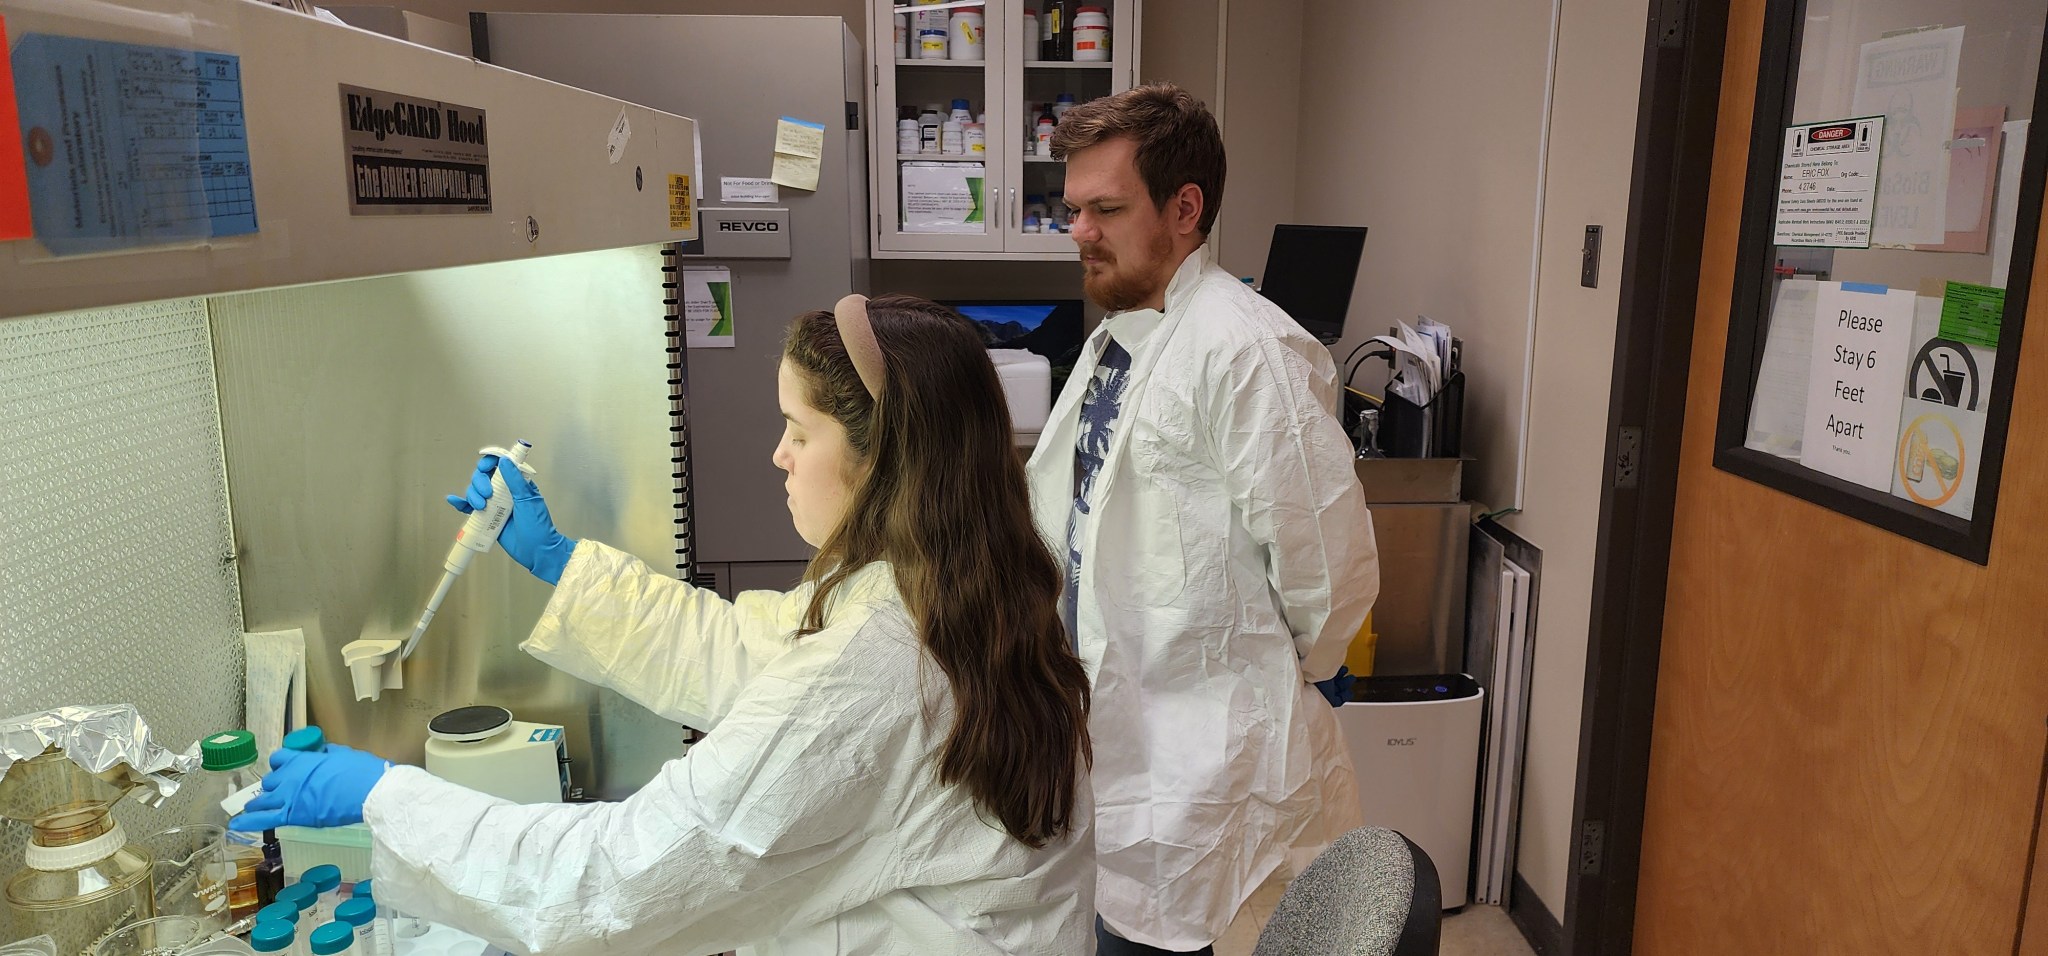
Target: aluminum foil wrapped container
{"points": [[111, 741]]}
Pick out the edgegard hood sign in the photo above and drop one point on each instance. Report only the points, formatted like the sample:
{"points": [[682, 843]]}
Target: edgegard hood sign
{"points": [[408, 155]]}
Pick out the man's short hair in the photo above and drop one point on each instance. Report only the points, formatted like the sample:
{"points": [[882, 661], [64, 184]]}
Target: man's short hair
{"points": [[1178, 142]]}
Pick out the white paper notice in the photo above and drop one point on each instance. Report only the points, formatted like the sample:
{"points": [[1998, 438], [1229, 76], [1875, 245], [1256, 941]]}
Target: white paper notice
{"points": [[740, 189], [1911, 79], [1861, 337], [615, 141], [1827, 184], [2005, 210], [707, 308], [1777, 411]]}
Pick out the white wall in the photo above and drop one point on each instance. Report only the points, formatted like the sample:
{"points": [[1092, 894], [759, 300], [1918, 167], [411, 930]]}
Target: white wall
{"points": [[1422, 121], [1425, 122], [1261, 118]]}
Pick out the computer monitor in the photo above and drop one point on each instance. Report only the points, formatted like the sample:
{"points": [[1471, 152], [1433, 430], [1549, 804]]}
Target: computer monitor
{"points": [[1049, 327], [1309, 273]]}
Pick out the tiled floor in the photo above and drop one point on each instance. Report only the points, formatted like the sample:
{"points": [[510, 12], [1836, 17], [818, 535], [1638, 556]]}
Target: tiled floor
{"points": [[1473, 931]]}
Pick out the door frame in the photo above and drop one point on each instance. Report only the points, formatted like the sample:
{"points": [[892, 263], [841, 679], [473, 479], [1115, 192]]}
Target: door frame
{"points": [[1678, 113]]}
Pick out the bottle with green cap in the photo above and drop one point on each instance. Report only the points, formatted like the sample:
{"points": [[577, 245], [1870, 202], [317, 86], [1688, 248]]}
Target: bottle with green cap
{"points": [[309, 738], [232, 754], [335, 939], [326, 881], [284, 911], [361, 914], [272, 936], [302, 896]]}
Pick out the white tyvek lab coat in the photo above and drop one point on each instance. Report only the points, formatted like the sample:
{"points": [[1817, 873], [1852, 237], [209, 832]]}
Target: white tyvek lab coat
{"points": [[1229, 563], [809, 821]]}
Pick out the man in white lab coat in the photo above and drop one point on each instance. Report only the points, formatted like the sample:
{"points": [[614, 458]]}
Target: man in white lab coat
{"points": [[1220, 557]]}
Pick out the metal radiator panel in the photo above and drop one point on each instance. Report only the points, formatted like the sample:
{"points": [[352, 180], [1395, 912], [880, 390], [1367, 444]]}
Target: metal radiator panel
{"points": [[351, 409], [115, 583]]}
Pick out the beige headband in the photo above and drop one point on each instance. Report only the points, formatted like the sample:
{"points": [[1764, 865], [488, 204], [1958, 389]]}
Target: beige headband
{"points": [[851, 315]]}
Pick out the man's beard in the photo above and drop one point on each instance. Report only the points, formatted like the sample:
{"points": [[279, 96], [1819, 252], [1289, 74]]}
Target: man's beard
{"points": [[1118, 289]]}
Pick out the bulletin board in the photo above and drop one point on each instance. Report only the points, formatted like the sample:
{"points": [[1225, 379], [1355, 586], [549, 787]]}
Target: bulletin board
{"points": [[1889, 218]]}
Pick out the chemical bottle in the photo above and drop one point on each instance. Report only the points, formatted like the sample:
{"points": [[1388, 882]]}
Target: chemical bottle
{"points": [[271, 936], [361, 914], [1043, 134], [1056, 24], [903, 36], [326, 881], [335, 939], [964, 36], [380, 926], [960, 113], [1091, 35], [232, 754], [907, 137], [1034, 42], [951, 138], [1034, 207], [928, 124], [1060, 106], [975, 136]]}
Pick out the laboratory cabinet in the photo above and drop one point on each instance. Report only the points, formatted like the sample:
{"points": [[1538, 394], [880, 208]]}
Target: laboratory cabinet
{"points": [[932, 203]]}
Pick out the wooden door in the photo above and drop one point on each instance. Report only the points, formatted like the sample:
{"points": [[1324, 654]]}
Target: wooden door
{"points": [[1847, 753]]}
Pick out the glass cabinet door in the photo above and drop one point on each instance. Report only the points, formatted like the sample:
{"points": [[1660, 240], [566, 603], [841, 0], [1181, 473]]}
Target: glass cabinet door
{"points": [[936, 183], [1061, 55]]}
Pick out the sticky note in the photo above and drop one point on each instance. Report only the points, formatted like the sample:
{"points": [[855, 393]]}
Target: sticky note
{"points": [[799, 144]]}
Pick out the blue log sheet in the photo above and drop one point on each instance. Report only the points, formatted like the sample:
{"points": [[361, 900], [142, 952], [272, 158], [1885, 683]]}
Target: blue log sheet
{"points": [[132, 145]]}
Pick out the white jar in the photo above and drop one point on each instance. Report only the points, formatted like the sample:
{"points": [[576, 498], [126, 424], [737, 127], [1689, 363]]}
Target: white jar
{"points": [[951, 139], [903, 36], [1043, 136], [1032, 45], [931, 44], [975, 135], [1091, 35], [907, 137], [965, 35]]}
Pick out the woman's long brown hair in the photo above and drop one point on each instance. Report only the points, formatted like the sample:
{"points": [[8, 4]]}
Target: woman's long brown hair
{"points": [[941, 496]]}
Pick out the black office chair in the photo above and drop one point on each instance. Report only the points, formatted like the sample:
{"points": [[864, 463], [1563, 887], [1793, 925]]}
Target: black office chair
{"points": [[1372, 893]]}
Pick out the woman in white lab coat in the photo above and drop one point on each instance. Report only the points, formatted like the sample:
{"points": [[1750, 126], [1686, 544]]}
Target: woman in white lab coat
{"points": [[897, 749]]}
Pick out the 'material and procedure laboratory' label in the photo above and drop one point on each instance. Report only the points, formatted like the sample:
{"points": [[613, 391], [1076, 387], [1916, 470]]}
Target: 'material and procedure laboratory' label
{"points": [[1827, 184], [408, 155], [1862, 335]]}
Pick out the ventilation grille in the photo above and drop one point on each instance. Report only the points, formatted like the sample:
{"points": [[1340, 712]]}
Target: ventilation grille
{"points": [[678, 408], [117, 576]]}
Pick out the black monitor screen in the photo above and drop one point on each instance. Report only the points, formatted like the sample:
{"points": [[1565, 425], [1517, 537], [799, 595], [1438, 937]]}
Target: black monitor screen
{"points": [[1048, 327], [1309, 273]]}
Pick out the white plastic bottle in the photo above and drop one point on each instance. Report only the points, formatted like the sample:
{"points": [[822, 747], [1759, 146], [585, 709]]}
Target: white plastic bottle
{"points": [[931, 43], [975, 136], [951, 142], [1043, 135], [907, 136], [928, 124], [1091, 35], [964, 35], [903, 36], [1033, 41]]}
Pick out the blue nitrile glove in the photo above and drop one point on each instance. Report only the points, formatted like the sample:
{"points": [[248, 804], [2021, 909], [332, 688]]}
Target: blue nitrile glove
{"points": [[320, 788], [1338, 688], [529, 535]]}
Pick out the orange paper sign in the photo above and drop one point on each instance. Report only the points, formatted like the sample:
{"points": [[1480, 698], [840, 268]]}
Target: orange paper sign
{"points": [[14, 221]]}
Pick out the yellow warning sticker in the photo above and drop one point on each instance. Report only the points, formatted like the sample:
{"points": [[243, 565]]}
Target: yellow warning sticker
{"points": [[679, 212]]}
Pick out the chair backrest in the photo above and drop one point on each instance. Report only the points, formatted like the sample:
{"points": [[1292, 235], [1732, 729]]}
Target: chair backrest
{"points": [[1372, 893]]}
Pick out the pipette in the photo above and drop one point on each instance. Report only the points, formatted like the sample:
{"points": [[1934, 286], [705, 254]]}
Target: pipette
{"points": [[477, 536], [374, 664]]}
